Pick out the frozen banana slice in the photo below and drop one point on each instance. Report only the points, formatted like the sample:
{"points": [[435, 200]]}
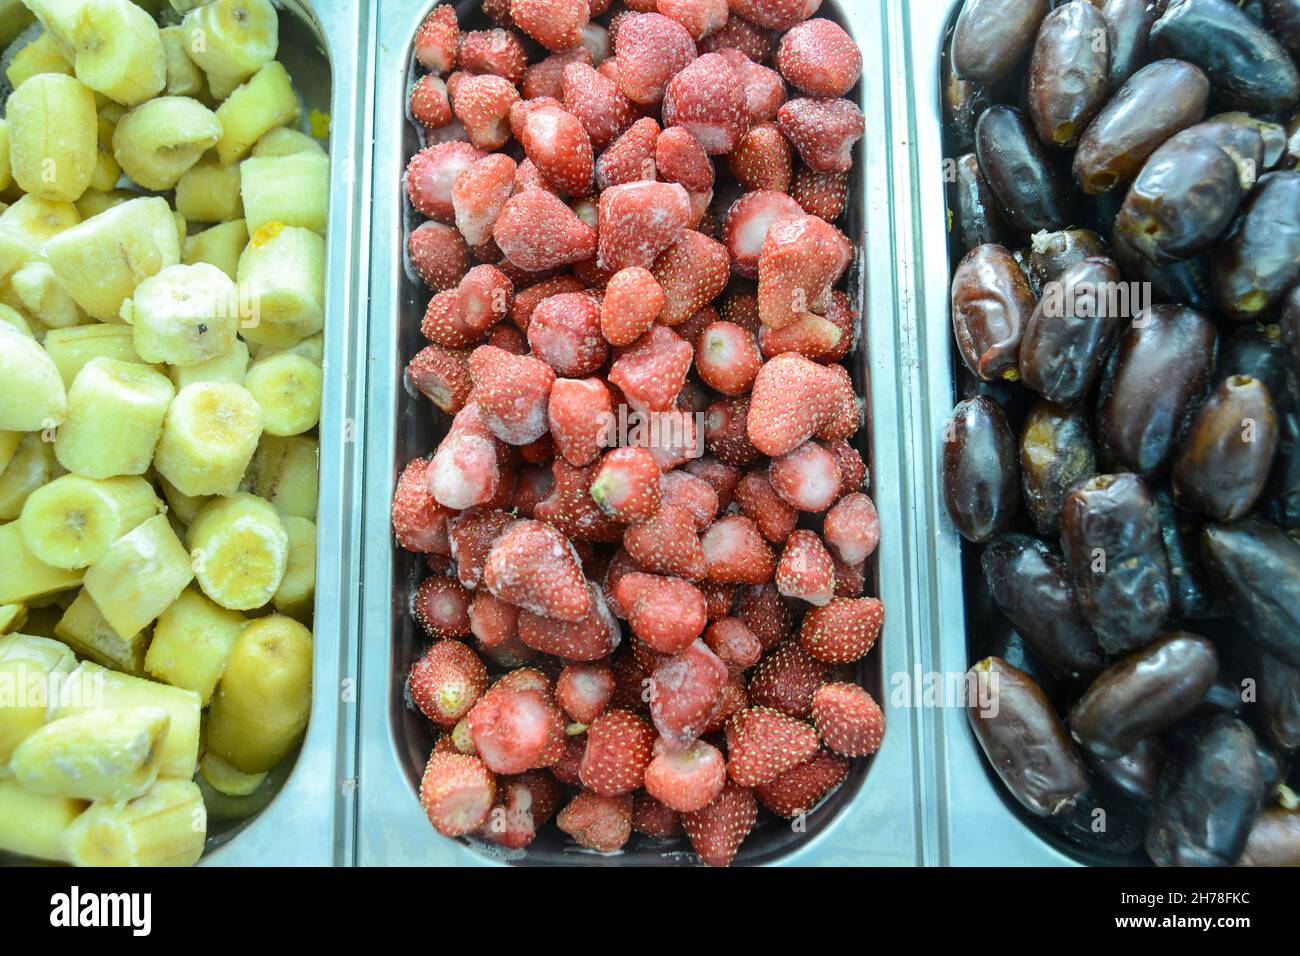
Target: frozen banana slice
{"points": [[84, 629], [52, 136], [288, 388], [71, 522], [311, 348], [27, 225], [283, 141], [94, 201], [167, 826], [183, 507], [42, 55], [158, 141], [230, 367], [261, 707], [139, 576], [240, 550], [32, 465], [222, 777], [59, 17], [254, 109], [191, 643], [23, 577], [33, 826], [12, 617], [286, 472], [14, 319], [9, 442], [184, 78], [298, 589], [30, 668], [220, 246], [118, 51], [208, 439], [107, 171], [42, 296], [184, 315], [233, 39], [71, 349], [291, 189], [210, 192], [98, 755], [115, 419], [32, 395], [282, 274]]}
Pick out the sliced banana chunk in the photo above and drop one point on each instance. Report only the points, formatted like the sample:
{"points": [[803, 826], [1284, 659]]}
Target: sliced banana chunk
{"points": [[283, 141], [32, 465], [34, 826], [282, 273], [209, 192], [84, 628], [98, 755], [290, 189], [115, 420], [240, 550], [208, 439], [233, 39], [72, 348], [230, 366], [286, 472], [32, 395], [184, 78], [288, 387], [191, 643], [184, 315], [118, 51], [43, 55], [159, 140], [139, 576], [252, 110], [52, 136], [298, 589], [24, 578], [71, 522], [40, 293], [220, 246], [167, 826]]}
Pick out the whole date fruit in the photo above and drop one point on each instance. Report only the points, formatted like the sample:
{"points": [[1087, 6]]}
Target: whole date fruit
{"points": [[963, 102], [1186, 282], [1069, 72], [992, 35], [1181, 533], [991, 301], [1258, 351], [1032, 192], [1256, 568], [1135, 774], [1129, 23], [1279, 701], [1274, 839], [1056, 453], [974, 207], [1272, 135], [1052, 253], [981, 480], [1284, 17], [1259, 260]]}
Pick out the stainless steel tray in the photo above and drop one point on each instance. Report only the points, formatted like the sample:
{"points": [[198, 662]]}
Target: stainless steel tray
{"points": [[878, 816]]}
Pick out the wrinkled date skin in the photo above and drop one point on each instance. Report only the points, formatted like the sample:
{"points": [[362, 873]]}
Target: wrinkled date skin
{"points": [[981, 479], [1250, 70], [1024, 740], [1143, 694], [1256, 568], [1071, 331], [1032, 192], [1029, 583], [1129, 23], [1159, 100], [1186, 282], [1273, 136], [1069, 72], [974, 207], [1208, 798], [1163, 363], [1110, 533], [991, 301], [1181, 533], [1052, 253], [1279, 701], [1224, 461], [1260, 259], [1274, 839], [1135, 774], [1056, 453], [1258, 351], [992, 35]]}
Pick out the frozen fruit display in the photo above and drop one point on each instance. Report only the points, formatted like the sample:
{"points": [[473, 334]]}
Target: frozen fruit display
{"points": [[645, 530], [161, 316]]}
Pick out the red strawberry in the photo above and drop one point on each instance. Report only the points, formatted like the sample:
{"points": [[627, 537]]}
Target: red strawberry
{"points": [[516, 728], [633, 300], [746, 225], [570, 507], [722, 476], [765, 91], [775, 14], [667, 543], [726, 432], [652, 370], [758, 501], [546, 78], [652, 818], [794, 399], [511, 392], [429, 104], [718, 598], [651, 49], [479, 195], [801, 788], [799, 261], [823, 131], [438, 255], [696, 495], [739, 34], [819, 58], [741, 307], [442, 376], [437, 38], [578, 415], [471, 537], [693, 270], [537, 231], [734, 643], [684, 690], [806, 570], [494, 621], [619, 748], [631, 157], [598, 103], [727, 358], [764, 611], [786, 680], [666, 613], [842, 631], [584, 691], [431, 174], [717, 831], [821, 194], [419, 522], [534, 566], [736, 553], [466, 468], [679, 158], [590, 639], [708, 99], [638, 221], [852, 528], [564, 332], [533, 485], [699, 17], [850, 579], [627, 485], [482, 104], [558, 145], [763, 743], [807, 478], [686, 779], [762, 159], [811, 335], [523, 804], [598, 823], [853, 470], [731, 702], [848, 719], [521, 311], [459, 317], [555, 24], [565, 769], [457, 790], [620, 563], [497, 51], [596, 37], [448, 680], [441, 607]]}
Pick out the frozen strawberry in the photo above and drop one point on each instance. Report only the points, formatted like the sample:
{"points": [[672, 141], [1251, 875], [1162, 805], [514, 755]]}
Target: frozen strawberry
{"points": [[850, 579], [811, 335], [666, 613], [441, 607], [633, 300], [667, 543], [679, 158], [482, 104], [590, 639], [521, 310], [564, 332], [739, 34], [523, 804], [511, 393], [598, 103], [619, 748], [842, 631], [565, 769], [693, 328], [760, 503], [775, 14], [807, 478], [578, 414], [638, 221], [595, 37], [627, 485], [431, 174], [429, 104], [765, 613], [684, 690], [852, 528], [438, 255], [734, 643], [471, 536], [732, 701], [762, 159], [786, 680], [516, 728], [727, 358], [631, 157], [819, 58], [442, 376], [537, 231], [598, 823], [419, 521], [765, 91], [848, 719], [823, 131], [806, 570], [652, 818], [447, 681], [799, 261], [694, 494], [722, 476], [534, 566], [853, 470], [546, 78], [646, 656], [497, 51], [558, 145], [708, 99], [726, 432], [746, 225], [794, 399], [717, 831], [466, 468], [493, 621], [570, 507], [686, 779], [437, 38], [653, 370], [801, 788], [736, 553], [763, 743], [699, 17], [620, 563], [718, 597], [584, 691], [533, 486], [651, 49], [821, 194], [456, 792], [479, 195], [693, 270], [555, 24]]}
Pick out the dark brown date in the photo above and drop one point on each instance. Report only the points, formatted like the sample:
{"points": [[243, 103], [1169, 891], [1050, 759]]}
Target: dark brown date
{"points": [[991, 301], [1056, 453], [974, 207], [1135, 774], [1258, 351], [1187, 283], [1291, 327], [1181, 533], [1279, 701], [1256, 568], [1224, 460], [1129, 22], [1072, 330], [1274, 839], [1159, 100], [1033, 193], [1028, 582], [981, 480], [1272, 135], [1143, 694], [1163, 363], [1069, 72], [1051, 253], [992, 35], [1208, 798], [1259, 260], [1024, 740], [963, 102], [1284, 18], [1110, 534]]}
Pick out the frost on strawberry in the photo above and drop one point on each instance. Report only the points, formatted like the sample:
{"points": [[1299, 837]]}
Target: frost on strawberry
{"points": [[762, 744], [457, 793], [651, 50], [511, 393], [534, 566], [431, 174], [536, 231], [667, 613], [638, 221], [598, 823], [686, 779], [591, 639], [685, 690], [800, 789], [447, 681]]}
